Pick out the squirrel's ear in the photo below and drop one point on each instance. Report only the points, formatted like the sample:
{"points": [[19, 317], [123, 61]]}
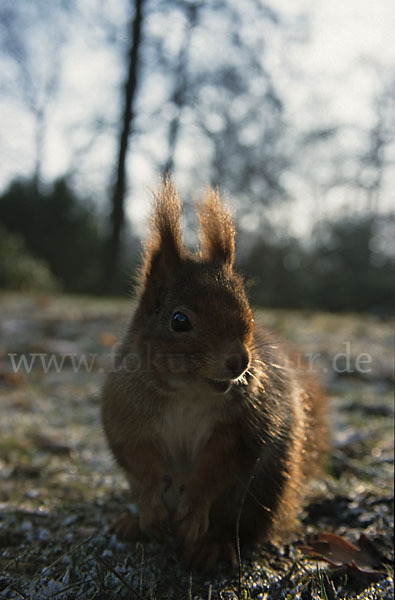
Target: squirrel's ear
{"points": [[217, 230], [163, 247]]}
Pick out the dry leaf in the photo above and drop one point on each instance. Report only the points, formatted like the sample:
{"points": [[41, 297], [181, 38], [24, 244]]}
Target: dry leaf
{"points": [[50, 444], [106, 339], [338, 552]]}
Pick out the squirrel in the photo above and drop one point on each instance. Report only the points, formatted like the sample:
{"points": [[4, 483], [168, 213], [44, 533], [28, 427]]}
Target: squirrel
{"points": [[216, 424]]}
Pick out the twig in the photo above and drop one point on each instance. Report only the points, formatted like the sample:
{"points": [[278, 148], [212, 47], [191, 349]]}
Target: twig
{"points": [[190, 586], [246, 489], [37, 579], [139, 545], [14, 589], [121, 579], [71, 586]]}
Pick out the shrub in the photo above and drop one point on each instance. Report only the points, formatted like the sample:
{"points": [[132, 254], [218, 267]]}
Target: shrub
{"points": [[19, 269], [57, 227]]}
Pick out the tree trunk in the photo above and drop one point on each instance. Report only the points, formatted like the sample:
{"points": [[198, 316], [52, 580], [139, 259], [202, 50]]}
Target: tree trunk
{"points": [[181, 87], [40, 131], [111, 268]]}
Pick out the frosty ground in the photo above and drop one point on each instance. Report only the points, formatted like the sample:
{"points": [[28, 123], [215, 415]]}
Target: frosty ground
{"points": [[59, 488]]}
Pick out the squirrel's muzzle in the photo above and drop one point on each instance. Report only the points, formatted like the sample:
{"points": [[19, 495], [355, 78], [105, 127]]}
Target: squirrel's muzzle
{"points": [[237, 364]]}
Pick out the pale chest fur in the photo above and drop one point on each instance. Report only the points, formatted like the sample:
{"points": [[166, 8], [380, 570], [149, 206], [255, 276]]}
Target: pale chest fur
{"points": [[187, 422]]}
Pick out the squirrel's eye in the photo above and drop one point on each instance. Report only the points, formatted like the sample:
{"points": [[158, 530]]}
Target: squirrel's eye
{"points": [[180, 322]]}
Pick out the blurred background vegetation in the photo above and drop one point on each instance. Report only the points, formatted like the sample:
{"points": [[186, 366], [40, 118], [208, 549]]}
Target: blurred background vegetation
{"points": [[99, 98]]}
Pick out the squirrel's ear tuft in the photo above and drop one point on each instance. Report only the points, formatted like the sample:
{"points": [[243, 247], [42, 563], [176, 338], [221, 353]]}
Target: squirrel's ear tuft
{"points": [[163, 248], [217, 230]]}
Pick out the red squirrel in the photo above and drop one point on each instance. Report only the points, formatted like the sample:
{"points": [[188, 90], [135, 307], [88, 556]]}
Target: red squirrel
{"points": [[216, 424]]}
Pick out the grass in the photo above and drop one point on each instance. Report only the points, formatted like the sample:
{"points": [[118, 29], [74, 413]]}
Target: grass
{"points": [[59, 489]]}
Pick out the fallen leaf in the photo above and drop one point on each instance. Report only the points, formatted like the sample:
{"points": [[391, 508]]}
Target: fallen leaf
{"points": [[17, 566], [106, 339], [10, 377], [59, 347], [50, 444], [338, 552], [85, 531], [23, 471]]}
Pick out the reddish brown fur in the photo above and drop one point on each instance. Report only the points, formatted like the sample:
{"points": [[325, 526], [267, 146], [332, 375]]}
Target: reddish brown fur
{"points": [[217, 229], [218, 426], [165, 234]]}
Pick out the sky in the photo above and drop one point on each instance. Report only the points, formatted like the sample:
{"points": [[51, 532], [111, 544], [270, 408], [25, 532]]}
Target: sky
{"points": [[343, 37]]}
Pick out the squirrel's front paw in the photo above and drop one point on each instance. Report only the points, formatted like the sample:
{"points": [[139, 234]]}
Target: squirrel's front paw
{"points": [[152, 511], [191, 519], [126, 528]]}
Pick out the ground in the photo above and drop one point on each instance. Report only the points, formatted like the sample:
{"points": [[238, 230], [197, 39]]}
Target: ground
{"points": [[59, 488]]}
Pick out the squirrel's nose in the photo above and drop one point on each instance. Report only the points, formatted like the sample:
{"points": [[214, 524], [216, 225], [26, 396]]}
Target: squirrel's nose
{"points": [[237, 364]]}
